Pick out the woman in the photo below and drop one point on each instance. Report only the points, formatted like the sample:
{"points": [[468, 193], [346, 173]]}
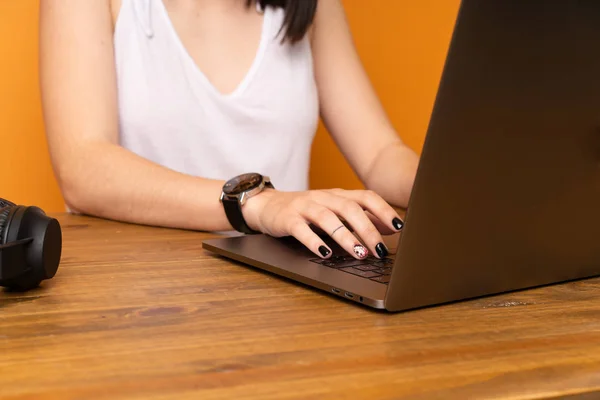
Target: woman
{"points": [[151, 106]]}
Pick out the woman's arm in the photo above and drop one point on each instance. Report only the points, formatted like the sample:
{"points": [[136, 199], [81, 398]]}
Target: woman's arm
{"points": [[352, 112], [99, 177], [79, 93]]}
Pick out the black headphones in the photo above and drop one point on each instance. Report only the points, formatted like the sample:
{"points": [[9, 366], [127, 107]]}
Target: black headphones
{"points": [[30, 246]]}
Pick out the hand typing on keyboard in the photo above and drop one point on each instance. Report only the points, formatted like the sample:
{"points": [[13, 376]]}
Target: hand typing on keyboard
{"points": [[354, 219]]}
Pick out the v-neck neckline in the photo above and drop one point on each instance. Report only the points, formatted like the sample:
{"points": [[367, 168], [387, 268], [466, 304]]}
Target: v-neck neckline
{"points": [[247, 79]]}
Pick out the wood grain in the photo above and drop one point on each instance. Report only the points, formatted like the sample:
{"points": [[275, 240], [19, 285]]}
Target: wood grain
{"points": [[144, 313]]}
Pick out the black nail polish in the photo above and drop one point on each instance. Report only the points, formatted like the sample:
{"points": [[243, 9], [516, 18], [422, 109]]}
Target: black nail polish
{"points": [[382, 251], [398, 224], [324, 251]]}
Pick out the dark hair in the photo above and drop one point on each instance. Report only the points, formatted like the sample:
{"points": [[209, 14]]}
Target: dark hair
{"points": [[299, 16]]}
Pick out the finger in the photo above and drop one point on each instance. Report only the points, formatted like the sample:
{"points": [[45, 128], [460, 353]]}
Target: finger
{"points": [[383, 228], [355, 216], [301, 231], [329, 222], [372, 202], [361, 224]]}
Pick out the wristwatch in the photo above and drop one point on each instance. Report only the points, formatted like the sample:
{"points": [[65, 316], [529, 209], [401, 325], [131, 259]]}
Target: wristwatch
{"points": [[236, 192]]}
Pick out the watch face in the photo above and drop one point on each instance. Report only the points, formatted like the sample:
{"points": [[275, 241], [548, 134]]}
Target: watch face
{"points": [[242, 183]]}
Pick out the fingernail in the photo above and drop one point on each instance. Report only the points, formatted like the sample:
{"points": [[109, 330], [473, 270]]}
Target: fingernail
{"points": [[324, 251], [398, 224], [382, 251], [360, 251]]}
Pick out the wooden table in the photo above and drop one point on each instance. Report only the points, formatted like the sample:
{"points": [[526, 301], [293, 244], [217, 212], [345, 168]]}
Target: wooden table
{"points": [[145, 313]]}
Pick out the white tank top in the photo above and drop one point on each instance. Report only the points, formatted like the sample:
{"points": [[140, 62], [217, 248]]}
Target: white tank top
{"points": [[170, 113]]}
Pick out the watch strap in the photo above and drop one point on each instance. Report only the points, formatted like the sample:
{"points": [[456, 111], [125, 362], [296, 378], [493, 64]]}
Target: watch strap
{"points": [[233, 210]]}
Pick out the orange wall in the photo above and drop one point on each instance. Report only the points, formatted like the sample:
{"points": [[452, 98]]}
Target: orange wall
{"points": [[27, 177], [402, 43]]}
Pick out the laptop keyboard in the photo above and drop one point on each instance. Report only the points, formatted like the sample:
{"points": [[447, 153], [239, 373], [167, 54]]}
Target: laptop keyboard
{"points": [[370, 268]]}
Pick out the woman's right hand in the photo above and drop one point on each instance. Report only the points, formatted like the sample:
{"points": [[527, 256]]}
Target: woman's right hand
{"points": [[280, 214]]}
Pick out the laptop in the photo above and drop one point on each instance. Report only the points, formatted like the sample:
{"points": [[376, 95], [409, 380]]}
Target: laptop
{"points": [[507, 193]]}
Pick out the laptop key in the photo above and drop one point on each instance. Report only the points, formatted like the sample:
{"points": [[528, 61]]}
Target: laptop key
{"points": [[366, 267], [384, 271], [337, 259], [339, 264], [383, 263], [352, 263], [364, 274], [381, 279]]}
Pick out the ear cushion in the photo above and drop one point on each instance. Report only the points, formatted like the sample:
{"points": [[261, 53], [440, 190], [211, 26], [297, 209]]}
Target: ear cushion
{"points": [[43, 253]]}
